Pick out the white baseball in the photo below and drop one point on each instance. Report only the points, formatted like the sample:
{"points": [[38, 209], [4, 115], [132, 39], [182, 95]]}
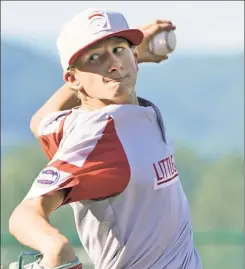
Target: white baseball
{"points": [[163, 43]]}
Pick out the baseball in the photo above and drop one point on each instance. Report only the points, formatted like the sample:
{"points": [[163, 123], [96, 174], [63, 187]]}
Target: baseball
{"points": [[163, 43]]}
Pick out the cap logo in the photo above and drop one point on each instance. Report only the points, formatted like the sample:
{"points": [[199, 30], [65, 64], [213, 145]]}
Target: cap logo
{"points": [[98, 22], [93, 15]]}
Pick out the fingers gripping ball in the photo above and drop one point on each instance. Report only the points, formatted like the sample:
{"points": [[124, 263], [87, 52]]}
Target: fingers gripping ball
{"points": [[163, 43]]}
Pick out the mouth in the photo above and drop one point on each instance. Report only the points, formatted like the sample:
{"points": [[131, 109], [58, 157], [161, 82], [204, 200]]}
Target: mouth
{"points": [[118, 79]]}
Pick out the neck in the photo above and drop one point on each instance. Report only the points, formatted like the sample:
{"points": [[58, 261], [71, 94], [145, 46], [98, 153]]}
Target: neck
{"points": [[94, 104]]}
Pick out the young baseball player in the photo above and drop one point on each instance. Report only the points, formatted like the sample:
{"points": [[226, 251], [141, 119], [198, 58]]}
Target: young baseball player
{"points": [[110, 158]]}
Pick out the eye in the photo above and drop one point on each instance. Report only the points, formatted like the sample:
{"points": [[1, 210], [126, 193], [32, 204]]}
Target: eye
{"points": [[118, 49], [93, 57]]}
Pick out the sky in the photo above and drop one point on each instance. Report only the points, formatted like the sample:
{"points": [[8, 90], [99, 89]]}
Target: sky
{"points": [[201, 25]]}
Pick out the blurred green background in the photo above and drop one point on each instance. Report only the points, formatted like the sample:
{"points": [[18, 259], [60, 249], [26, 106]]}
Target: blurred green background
{"points": [[201, 97], [214, 187]]}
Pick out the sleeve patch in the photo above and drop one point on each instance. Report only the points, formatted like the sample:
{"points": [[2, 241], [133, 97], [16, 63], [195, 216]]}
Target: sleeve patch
{"points": [[48, 176]]}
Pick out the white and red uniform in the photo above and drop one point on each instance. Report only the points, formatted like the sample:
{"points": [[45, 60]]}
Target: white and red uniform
{"points": [[117, 165]]}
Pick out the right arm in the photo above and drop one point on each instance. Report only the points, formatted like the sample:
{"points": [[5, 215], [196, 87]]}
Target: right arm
{"points": [[29, 224], [66, 98]]}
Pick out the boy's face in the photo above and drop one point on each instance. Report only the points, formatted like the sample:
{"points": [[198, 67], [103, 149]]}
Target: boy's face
{"points": [[108, 70]]}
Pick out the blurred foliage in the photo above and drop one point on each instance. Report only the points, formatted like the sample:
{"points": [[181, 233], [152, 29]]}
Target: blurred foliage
{"points": [[214, 188]]}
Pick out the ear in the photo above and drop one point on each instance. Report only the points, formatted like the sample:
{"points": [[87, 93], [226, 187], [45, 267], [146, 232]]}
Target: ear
{"points": [[69, 76]]}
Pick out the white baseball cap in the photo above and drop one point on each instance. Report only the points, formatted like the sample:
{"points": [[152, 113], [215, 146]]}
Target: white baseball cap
{"points": [[89, 27]]}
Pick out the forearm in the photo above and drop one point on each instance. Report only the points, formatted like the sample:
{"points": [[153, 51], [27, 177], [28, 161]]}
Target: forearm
{"points": [[30, 228], [64, 98], [33, 229]]}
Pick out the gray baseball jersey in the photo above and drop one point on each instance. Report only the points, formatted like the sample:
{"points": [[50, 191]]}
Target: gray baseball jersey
{"points": [[118, 168]]}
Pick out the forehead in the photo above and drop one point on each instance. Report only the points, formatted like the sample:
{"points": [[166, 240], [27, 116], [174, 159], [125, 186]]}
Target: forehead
{"points": [[106, 42]]}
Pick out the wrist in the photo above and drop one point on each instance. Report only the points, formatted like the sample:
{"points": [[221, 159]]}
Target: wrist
{"points": [[141, 54], [58, 251]]}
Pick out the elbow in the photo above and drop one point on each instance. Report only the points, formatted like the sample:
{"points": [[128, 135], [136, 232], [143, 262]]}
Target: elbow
{"points": [[13, 222], [18, 219], [34, 123]]}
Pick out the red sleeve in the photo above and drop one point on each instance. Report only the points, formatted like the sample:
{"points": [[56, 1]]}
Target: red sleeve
{"points": [[105, 172], [89, 169], [51, 132]]}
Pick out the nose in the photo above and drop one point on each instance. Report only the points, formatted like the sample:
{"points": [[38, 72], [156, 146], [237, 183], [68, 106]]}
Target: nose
{"points": [[114, 63]]}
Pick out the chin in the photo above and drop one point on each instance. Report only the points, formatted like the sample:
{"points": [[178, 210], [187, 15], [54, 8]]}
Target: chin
{"points": [[119, 93], [121, 99]]}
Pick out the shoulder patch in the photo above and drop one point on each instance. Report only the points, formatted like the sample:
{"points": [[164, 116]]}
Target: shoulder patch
{"points": [[48, 176]]}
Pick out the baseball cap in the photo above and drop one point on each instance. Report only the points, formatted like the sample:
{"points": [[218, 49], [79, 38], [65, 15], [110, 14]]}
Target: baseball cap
{"points": [[89, 27]]}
